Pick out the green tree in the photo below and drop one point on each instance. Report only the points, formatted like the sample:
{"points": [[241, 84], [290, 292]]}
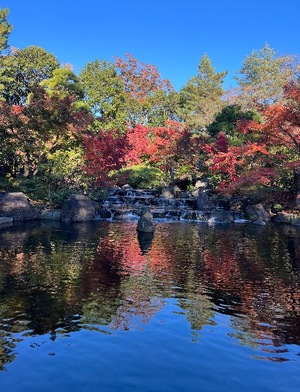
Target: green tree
{"points": [[63, 83], [104, 94], [201, 97], [24, 69], [32, 133], [5, 28], [226, 122], [262, 78]]}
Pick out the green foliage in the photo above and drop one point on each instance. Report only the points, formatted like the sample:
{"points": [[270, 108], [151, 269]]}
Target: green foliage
{"points": [[141, 176], [63, 83], [24, 69], [263, 76], [201, 97], [65, 168], [226, 122], [104, 94], [5, 28]]}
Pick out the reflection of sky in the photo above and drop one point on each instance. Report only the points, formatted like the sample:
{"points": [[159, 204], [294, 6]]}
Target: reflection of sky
{"points": [[162, 355]]}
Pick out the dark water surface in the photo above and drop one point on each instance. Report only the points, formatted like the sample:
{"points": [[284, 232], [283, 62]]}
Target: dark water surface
{"points": [[94, 307]]}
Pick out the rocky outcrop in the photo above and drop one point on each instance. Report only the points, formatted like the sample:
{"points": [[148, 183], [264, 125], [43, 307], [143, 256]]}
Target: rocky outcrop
{"points": [[15, 205], [78, 208], [145, 222]]}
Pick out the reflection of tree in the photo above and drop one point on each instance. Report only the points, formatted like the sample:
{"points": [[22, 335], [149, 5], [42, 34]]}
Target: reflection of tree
{"points": [[56, 280], [253, 271], [120, 263]]}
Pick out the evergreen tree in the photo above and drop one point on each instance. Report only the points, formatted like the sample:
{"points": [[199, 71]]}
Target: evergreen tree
{"points": [[263, 76], [5, 28], [201, 97]]}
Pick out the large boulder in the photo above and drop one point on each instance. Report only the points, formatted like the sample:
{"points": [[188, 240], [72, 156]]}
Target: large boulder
{"points": [[145, 222], [206, 202], [258, 214], [220, 216], [78, 208], [15, 205]]}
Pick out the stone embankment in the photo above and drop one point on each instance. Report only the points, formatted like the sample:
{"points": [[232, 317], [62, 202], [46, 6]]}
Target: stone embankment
{"points": [[126, 203]]}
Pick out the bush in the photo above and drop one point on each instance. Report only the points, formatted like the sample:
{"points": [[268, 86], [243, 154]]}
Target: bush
{"points": [[141, 176]]}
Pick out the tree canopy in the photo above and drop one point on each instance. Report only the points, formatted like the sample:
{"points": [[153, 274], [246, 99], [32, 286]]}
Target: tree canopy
{"points": [[201, 97], [87, 130]]}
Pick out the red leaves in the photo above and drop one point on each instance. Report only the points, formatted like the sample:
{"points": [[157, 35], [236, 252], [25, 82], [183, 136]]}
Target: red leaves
{"points": [[104, 153], [276, 147], [161, 146], [138, 139]]}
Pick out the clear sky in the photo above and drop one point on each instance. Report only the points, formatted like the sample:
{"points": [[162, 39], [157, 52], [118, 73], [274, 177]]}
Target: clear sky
{"points": [[172, 35]]}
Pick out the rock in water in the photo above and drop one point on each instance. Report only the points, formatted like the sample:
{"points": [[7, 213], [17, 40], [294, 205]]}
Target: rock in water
{"points": [[78, 208], [145, 222], [16, 206]]}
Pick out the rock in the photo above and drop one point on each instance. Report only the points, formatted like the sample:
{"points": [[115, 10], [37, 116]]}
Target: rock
{"points": [[220, 216], [257, 213], [15, 205], [205, 202], [145, 222], [127, 187], [288, 218], [167, 193], [78, 208], [49, 214]]}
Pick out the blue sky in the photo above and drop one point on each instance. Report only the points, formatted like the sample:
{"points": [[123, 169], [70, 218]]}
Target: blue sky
{"points": [[172, 35]]}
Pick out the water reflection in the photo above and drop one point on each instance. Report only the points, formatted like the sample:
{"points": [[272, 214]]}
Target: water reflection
{"points": [[104, 277]]}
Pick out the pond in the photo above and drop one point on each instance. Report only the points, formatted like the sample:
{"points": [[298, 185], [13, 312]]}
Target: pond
{"points": [[95, 307]]}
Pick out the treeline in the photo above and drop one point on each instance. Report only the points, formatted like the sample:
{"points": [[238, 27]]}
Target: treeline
{"points": [[120, 122]]}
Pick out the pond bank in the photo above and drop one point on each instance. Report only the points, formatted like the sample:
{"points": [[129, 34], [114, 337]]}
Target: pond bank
{"points": [[125, 204]]}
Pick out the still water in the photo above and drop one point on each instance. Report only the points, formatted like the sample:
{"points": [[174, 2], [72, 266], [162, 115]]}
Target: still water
{"points": [[95, 307]]}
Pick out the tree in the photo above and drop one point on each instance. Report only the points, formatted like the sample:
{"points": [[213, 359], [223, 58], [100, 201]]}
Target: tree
{"points": [[5, 28], [30, 133], [104, 152], [263, 76], [24, 69], [173, 147], [104, 93], [201, 97], [149, 98], [63, 83], [226, 122], [140, 80], [138, 141], [274, 155]]}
